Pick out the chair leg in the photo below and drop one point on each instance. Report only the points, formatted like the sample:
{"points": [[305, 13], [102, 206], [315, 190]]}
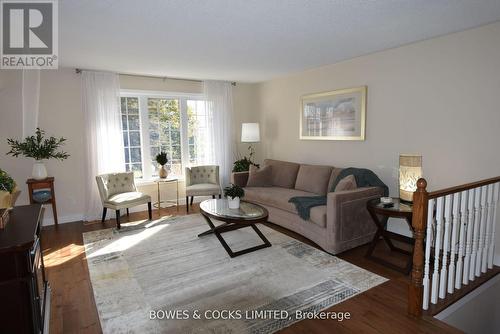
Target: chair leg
{"points": [[187, 204], [118, 219], [104, 211], [192, 197], [150, 213], [128, 213]]}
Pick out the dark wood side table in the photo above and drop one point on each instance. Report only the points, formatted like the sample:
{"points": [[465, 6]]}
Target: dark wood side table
{"points": [[47, 183], [380, 215]]}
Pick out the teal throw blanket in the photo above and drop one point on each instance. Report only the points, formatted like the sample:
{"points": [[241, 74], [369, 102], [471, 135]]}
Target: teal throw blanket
{"points": [[364, 178]]}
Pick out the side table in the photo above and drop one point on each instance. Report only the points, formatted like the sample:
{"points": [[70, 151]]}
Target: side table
{"points": [[171, 202], [47, 183], [380, 215]]}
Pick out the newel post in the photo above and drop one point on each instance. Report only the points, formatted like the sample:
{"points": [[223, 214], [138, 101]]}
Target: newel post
{"points": [[419, 223]]}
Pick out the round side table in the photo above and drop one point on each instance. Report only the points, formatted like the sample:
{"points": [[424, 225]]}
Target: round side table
{"points": [[380, 213], [171, 203]]}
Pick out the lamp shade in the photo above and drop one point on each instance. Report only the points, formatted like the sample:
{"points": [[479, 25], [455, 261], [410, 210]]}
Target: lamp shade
{"points": [[250, 133], [410, 170]]}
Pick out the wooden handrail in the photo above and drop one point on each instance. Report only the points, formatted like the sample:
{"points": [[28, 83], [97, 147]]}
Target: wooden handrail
{"points": [[463, 187], [419, 223]]}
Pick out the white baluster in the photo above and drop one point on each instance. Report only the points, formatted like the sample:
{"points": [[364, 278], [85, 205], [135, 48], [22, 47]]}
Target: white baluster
{"points": [[482, 230], [470, 231], [461, 242], [446, 246], [428, 244], [491, 250], [437, 248], [453, 245], [475, 233], [487, 236]]}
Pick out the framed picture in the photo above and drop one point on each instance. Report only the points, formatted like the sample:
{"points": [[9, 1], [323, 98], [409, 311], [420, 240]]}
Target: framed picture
{"points": [[335, 115]]}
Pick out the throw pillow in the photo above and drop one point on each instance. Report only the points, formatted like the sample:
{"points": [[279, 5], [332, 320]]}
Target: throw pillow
{"points": [[259, 177], [347, 183]]}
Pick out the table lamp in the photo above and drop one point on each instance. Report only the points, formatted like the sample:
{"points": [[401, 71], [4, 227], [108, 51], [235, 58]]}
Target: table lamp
{"points": [[410, 170], [250, 133]]}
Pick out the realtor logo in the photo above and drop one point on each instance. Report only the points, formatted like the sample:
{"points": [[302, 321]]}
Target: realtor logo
{"points": [[29, 34]]}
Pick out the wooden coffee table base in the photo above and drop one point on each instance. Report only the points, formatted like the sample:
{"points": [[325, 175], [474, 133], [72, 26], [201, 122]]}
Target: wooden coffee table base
{"points": [[226, 227]]}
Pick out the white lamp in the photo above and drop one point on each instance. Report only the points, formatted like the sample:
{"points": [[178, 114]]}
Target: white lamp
{"points": [[410, 170], [250, 133]]}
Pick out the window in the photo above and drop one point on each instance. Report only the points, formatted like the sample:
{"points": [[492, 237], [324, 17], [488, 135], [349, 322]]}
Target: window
{"points": [[131, 135], [198, 132], [177, 125]]}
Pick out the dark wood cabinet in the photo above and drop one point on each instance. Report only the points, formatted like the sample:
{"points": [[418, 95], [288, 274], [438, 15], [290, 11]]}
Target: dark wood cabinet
{"points": [[24, 290]]}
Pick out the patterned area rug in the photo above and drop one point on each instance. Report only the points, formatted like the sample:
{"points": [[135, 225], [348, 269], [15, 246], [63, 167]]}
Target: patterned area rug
{"points": [[162, 270]]}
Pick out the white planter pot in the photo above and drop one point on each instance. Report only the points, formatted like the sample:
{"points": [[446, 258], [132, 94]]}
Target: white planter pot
{"points": [[233, 203], [39, 171]]}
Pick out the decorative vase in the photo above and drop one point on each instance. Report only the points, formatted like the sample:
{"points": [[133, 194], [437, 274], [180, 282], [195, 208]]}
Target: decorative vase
{"points": [[233, 203], [162, 172], [39, 171]]}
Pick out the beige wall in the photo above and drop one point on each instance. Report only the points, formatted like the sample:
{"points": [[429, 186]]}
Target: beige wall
{"points": [[245, 105], [438, 97], [61, 115]]}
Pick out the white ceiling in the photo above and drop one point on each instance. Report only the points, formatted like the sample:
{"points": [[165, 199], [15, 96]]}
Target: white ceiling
{"points": [[249, 40]]}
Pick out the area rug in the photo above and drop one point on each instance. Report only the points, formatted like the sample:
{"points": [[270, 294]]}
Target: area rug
{"points": [[152, 271]]}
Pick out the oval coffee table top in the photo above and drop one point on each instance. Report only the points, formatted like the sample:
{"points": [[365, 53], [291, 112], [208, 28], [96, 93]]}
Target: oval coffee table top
{"points": [[247, 212]]}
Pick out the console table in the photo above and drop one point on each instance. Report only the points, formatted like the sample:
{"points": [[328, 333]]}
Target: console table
{"points": [[47, 183], [24, 290]]}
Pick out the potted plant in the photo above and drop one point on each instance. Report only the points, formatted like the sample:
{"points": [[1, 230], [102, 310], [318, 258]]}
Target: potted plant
{"points": [[8, 190], [162, 160], [243, 165], [233, 193], [40, 149]]}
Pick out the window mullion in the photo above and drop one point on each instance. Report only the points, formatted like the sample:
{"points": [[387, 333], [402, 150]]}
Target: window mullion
{"points": [[145, 144], [184, 135]]}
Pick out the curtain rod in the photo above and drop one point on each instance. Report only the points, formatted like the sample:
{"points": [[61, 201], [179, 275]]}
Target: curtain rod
{"points": [[79, 70]]}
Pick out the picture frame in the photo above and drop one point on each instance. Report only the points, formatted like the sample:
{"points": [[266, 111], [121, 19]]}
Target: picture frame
{"points": [[334, 115]]}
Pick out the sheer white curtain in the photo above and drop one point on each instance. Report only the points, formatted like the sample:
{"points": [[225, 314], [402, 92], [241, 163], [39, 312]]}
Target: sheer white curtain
{"points": [[31, 96], [219, 107], [103, 133]]}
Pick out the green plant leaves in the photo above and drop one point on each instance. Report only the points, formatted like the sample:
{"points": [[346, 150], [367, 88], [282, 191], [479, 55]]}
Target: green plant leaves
{"points": [[7, 183], [38, 147]]}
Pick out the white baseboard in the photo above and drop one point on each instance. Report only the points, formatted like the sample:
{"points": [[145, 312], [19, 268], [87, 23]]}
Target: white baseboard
{"points": [[62, 219], [80, 216]]}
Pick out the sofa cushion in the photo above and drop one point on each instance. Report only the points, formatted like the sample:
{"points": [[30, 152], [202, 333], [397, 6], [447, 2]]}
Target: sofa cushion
{"points": [[333, 178], [274, 196], [284, 174], [318, 215], [347, 183], [313, 178], [260, 177]]}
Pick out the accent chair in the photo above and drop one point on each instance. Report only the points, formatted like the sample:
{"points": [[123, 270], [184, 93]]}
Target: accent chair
{"points": [[202, 181], [118, 191]]}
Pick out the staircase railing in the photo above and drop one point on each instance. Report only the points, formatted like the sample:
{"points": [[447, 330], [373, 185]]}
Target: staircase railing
{"points": [[454, 231]]}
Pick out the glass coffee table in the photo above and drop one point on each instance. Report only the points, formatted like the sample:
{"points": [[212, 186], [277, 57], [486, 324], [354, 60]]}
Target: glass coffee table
{"points": [[247, 215]]}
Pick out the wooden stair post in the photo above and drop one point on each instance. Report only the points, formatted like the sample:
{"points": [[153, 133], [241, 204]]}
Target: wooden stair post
{"points": [[419, 224]]}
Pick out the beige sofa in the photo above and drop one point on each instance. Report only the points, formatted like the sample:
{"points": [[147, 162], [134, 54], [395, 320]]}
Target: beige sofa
{"points": [[343, 223]]}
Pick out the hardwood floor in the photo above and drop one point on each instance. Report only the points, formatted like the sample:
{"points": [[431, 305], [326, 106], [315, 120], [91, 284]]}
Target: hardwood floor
{"points": [[378, 310]]}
